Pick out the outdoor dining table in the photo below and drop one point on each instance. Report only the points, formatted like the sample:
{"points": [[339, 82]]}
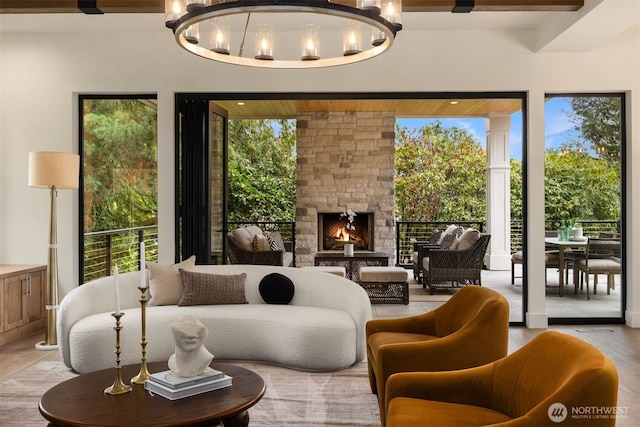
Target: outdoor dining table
{"points": [[563, 245]]}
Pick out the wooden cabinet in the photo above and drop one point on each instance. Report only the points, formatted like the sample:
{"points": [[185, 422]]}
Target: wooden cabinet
{"points": [[22, 299]]}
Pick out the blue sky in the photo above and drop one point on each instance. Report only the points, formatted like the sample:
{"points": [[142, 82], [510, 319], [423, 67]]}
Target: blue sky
{"points": [[558, 128]]}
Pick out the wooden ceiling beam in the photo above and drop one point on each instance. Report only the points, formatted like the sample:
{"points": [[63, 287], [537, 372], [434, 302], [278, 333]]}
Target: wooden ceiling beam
{"points": [[157, 6]]}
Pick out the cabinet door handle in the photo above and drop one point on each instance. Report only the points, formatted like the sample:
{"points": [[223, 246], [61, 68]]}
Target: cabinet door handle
{"points": [[29, 285]]}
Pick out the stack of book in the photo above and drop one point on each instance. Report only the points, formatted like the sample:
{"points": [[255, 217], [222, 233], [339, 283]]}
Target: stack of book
{"points": [[171, 386]]}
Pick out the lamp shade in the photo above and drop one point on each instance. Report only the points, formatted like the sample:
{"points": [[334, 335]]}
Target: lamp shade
{"points": [[49, 168]]}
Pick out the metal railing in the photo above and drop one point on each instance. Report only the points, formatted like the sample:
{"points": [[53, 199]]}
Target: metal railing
{"points": [[287, 230], [408, 232], [103, 250]]}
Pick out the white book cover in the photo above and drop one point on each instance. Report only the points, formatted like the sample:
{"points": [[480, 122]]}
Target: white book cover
{"points": [[173, 394], [169, 379]]}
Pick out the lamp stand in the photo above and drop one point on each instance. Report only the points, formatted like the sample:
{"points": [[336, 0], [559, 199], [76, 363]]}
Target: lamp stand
{"points": [[51, 298]]}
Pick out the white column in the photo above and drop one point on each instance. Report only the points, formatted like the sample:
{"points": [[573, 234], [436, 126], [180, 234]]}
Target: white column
{"points": [[498, 193], [632, 226], [536, 316]]}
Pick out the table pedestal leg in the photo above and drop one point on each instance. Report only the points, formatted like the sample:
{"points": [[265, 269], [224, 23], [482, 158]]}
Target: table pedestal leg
{"points": [[561, 272], [240, 420]]}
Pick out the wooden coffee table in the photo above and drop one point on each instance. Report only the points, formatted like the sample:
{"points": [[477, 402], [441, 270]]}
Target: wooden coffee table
{"points": [[81, 401]]}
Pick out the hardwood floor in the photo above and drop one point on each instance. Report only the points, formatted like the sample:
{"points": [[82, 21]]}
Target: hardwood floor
{"points": [[620, 343], [21, 354]]}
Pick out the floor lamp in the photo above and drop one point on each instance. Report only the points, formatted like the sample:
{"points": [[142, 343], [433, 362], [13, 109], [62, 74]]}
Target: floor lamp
{"points": [[54, 171]]}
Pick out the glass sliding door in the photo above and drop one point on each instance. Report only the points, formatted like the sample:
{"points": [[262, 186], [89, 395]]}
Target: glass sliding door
{"points": [[584, 141], [201, 180]]}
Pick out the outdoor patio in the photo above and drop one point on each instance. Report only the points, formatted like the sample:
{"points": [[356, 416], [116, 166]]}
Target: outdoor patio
{"points": [[570, 305]]}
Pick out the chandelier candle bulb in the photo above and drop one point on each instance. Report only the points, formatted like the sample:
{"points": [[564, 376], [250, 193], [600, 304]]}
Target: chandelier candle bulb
{"points": [[264, 42], [174, 9], [310, 42], [351, 38], [369, 4], [392, 12], [192, 34], [220, 37]]}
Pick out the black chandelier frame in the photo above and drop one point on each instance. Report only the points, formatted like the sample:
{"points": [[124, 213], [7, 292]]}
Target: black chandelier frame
{"points": [[197, 13]]}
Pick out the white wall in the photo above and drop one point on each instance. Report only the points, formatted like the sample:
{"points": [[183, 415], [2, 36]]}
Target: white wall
{"points": [[41, 74]]}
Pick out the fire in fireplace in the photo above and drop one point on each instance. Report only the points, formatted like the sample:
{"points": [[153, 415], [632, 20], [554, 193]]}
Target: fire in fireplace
{"points": [[334, 231]]}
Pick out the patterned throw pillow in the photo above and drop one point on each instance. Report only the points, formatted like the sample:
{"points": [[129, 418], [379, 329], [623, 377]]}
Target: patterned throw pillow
{"points": [[446, 232], [448, 241], [257, 243], [212, 289], [275, 241], [435, 236]]}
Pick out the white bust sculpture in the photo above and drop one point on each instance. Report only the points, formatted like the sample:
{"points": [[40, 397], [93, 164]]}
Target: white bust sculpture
{"points": [[191, 357]]}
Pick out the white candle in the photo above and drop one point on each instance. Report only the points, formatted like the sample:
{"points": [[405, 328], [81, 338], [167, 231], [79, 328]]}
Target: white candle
{"points": [[143, 281], [117, 288]]}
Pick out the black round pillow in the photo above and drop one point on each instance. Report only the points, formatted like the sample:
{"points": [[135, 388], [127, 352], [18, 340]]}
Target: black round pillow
{"points": [[276, 288]]}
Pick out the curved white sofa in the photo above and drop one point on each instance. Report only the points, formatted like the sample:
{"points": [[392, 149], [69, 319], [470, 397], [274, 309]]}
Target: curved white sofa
{"points": [[321, 329]]}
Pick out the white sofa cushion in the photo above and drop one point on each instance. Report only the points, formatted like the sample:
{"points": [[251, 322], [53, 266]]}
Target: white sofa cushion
{"points": [[307, 338]]}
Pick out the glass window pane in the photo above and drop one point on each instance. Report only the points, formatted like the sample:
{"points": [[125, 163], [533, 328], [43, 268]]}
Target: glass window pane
{"points": [[120, 202], [583, 199]]}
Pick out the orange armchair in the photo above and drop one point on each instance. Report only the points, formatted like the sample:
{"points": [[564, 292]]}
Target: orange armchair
{"points": [[470, 329], [554, 380]]}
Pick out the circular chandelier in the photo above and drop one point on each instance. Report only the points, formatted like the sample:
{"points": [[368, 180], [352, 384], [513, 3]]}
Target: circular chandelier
{"points": [[284, 33]]}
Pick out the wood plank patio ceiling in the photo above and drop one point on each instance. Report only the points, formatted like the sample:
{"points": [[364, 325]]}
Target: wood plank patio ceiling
{"points": [[157, 6], [405, 108]]}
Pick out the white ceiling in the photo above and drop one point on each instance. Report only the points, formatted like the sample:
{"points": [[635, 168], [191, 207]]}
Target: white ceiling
{"points": [[593, 25]]}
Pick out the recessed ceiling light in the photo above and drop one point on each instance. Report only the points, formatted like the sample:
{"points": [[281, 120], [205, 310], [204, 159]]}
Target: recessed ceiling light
{"points": [[240, 103], [454, 102]]}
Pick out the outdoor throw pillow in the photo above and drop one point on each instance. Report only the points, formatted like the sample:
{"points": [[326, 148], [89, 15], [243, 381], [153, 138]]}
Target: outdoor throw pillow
{"points": [[165, 284], [275, 241], [448, 241], [435, 236], [257, 244], [466, 240], [446, 232], [276, 288], [212, 289]]}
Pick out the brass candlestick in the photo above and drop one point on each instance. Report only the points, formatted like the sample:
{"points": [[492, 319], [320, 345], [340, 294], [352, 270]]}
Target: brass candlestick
{"points": [[118, 387], [143, 375]]}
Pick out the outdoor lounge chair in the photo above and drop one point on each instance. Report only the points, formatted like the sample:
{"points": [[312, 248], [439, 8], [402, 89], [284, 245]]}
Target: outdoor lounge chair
{"points": [[453, 267]]}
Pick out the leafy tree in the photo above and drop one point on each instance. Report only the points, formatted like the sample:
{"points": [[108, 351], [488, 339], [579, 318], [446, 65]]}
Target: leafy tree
{"points": [[598, 120], [579, 186], [262, 170], [515, 177], [440, 174], [120, 163]]}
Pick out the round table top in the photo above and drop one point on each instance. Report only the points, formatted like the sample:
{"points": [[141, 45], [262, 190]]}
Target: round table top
{"points": [[81, 401]]}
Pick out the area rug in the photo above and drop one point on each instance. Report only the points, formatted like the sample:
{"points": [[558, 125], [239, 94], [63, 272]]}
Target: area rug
{"points": [[293, 398]]}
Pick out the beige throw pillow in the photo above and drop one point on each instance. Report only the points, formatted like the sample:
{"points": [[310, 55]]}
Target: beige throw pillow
{"points": [[211, 289], [165, 284], [466, 240]]}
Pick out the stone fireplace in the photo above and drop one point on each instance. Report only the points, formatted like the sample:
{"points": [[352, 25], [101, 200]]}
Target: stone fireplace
{"points": [[345, 160], [333, 232]]}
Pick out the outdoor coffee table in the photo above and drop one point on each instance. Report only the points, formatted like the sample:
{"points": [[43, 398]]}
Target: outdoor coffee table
{"points": [[352, 263], [81, 401]]}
